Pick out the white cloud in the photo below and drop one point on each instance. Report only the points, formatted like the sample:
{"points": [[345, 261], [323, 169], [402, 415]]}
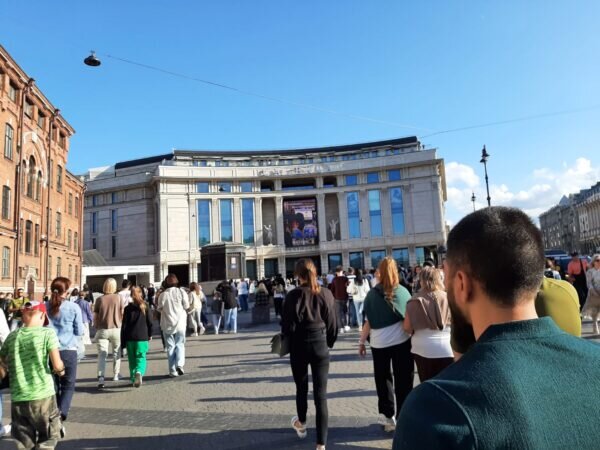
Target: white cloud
{"points": [[549, 185]]}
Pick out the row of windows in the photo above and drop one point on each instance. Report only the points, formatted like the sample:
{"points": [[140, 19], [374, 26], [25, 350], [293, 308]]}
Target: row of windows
{"points": [[375, 216], [295, 161], [30, 242], [205, 187], [226, 226], [114, 220], [357, 260]]}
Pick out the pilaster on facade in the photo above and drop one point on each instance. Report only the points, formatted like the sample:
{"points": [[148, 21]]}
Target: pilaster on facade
{"points": [[237, 220], [343, 209], [258, 223], [321, 218], [365, 219], [279, 219]]}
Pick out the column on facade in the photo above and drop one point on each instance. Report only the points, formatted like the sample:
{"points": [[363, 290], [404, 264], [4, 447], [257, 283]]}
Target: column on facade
{"points": [[409, 217], [260, 268], [436, 205], [343, 209], [325, 264], [215, 225], [193, 228], [237, 220], [279, 220], [258, 224], [321, 219]]}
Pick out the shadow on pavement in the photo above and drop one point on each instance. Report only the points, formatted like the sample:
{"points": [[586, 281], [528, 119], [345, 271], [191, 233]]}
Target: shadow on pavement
{"points": [[339, 438], [283, 398]]}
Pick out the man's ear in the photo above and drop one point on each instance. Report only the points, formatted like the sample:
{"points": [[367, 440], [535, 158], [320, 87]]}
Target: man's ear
{"points": [[463, 288]]}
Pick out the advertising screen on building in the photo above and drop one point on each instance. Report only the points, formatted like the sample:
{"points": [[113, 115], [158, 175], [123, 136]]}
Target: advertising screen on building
{"points": [[300, 222]]}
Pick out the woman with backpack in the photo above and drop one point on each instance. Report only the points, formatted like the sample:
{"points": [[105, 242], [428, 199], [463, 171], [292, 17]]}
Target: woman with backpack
{"points": [[384, 310], [172, 305], [309, 321], [136, 331]]}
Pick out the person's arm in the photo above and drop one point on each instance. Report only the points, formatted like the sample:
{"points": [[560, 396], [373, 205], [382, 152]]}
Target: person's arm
{"points": [[12, 308], [429, 418], [160, 302], [148, 324], [328, 314], [185, 301], [58, 367], [406, 323], [362, 346], [124, 326], [4, 330], [288, 314]]}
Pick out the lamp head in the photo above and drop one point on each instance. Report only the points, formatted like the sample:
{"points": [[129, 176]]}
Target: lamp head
{"points": [[91, 60], [484, 155]]}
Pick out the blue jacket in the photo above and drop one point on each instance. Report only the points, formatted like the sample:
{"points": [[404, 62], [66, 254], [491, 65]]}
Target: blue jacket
{"points": [[67, 324], [86, 310]]}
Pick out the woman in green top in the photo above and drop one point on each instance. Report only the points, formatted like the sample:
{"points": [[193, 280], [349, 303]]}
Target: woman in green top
{"points": [[384, 310]]}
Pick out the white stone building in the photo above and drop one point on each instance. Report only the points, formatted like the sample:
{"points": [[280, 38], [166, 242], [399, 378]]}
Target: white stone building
{"points": [[350, 205]]}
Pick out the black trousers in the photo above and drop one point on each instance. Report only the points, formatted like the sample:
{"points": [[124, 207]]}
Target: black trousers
{"points": [[396, 381], [309, 348], [341, 309], [430, 367]]}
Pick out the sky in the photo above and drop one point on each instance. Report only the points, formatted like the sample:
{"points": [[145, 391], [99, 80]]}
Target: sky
{"points": [[406, 68]]}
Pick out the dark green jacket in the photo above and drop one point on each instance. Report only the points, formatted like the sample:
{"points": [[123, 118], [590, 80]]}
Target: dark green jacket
{"points": [[523, 385]]}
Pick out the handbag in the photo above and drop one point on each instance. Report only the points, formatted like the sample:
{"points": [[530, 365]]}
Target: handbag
{"points": [[280, 344]]}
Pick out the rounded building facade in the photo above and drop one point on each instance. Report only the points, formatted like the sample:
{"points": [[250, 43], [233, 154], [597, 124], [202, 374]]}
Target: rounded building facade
{"points": [[348, 205]]}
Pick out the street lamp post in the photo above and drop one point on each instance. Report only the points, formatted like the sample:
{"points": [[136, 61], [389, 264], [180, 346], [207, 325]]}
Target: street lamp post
{"points": [[473, 198], [484, 157]]}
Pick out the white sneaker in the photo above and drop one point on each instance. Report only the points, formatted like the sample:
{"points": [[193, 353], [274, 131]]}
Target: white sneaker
{"points": [[194, 334], [360, 328], [117, 377], [346, 328], [341, 331], [202, 331], [299, 427], [5, 430], [389, 424]]}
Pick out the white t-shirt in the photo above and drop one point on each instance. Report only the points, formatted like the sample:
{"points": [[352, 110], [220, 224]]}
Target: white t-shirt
{"points": [[125, 295], [363, 290], [389, 336], [243, 288], [432, 343]]}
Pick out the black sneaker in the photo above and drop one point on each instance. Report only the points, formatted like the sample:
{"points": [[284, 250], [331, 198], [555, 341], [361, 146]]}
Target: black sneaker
{"points": [[180, 371], [63, 432]]}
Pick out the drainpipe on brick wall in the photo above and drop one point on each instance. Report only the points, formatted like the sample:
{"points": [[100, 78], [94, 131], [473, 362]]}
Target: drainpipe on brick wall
{"points": [[48, 187], [19, 177]]}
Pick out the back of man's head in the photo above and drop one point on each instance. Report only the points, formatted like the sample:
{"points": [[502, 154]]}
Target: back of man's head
{"points": [[502, 249]]}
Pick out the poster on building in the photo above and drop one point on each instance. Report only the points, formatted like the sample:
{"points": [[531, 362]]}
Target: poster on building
{"points": [[300, 222]]}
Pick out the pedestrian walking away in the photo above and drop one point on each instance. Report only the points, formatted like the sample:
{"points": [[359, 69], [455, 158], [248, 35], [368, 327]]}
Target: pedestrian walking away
{"points": [[384, 309], [173, 304], [361, 289], [524, 383], [230, 307], [243, 291], [136, 332], [196, 298], [339, 290], [428, 320], [576, 271], [26, 352], [108, 317], [592, 305], [309, 321], [65, 318]]}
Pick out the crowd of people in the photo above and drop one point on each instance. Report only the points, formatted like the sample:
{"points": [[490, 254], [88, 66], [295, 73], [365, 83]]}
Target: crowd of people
{"points": [[495, 355]]}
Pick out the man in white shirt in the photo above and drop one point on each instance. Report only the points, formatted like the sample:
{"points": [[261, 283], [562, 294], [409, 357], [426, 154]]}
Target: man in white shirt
{"points": [[243, 294], [125, 293]]}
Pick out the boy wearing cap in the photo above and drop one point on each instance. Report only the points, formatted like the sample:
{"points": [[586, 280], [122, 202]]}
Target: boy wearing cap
{"points": [[35, 415]]}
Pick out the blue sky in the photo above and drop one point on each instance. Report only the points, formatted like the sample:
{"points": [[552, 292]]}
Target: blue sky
{"points": [[429, 65]]}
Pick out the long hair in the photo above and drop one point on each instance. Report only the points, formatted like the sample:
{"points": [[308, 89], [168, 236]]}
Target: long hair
{"points": [[138, 298], [109, 286], [58, 287], [431, 279], [388, 277], [359, 278], [306, 270]]}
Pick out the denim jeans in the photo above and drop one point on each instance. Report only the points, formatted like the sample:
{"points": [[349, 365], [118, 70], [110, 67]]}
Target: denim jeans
{"points": [[342, 313], [231, 320], [175, 350], [352, 314], [65, 386], [244, 302], [216, 321], [358, 305]]}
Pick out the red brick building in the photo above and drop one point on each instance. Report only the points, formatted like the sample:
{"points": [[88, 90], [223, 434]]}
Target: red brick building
{"points": [[40, 201]]}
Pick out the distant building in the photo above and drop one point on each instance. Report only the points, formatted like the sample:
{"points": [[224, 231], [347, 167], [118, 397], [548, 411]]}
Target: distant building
{"points": [[41, 202], [574, 224], [348, 205]]}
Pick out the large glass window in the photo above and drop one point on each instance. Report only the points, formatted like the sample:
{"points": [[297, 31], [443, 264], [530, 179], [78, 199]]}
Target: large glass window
{"points": [[31, 177], [248, 220], [59, 224], [5, 262], [94, 200], [394, 175], [397, 210], [226, 220], [113, 246], [373, 177], [376, 257], [28, 232], [94, 222], [351, 180], [251, 269], [420, 255], [5, 202], [58, 266], [36, 240], [334, 260], [353, 215], [375, 214], [401, 256], [202, 187], [225, 187], [113, 220], [271, 267], [203, 222], [70, 204], [246, 186], [59, 178], [8, 141], [357, 260]]}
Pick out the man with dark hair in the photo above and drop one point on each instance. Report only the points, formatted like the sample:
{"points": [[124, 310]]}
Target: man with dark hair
{"points": [[338, 288], [514, 387]]}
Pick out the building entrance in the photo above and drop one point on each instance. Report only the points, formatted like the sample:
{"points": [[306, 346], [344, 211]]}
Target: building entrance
{"points": [[290, 264]]}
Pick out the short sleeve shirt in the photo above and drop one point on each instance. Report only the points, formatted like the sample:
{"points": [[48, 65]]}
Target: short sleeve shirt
{"points": [[17, 303], [28, 349]]}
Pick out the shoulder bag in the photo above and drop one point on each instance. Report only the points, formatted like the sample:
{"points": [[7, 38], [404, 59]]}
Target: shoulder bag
{"points": [[280, 344]]}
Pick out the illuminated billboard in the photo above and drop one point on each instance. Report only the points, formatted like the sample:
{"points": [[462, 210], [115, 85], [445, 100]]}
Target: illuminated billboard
{"points": [[300, 222]]}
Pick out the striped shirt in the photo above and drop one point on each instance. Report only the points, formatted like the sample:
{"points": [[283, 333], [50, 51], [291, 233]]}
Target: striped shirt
{"points": [[27, 350]]}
